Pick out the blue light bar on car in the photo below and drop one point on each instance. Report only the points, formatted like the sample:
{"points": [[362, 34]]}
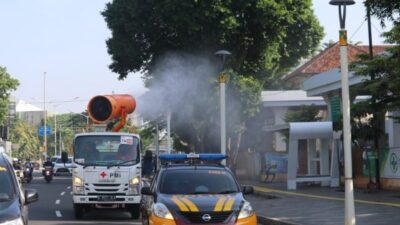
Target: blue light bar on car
{"points": [[192, 156]]}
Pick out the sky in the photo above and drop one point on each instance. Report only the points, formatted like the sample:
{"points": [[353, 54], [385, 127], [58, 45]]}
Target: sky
{"points": [[57, 49]]}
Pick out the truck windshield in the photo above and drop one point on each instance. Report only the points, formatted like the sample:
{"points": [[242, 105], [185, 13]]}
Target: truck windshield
{"points": [[106, 150]]}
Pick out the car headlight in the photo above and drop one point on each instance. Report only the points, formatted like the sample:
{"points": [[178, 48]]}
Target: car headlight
{"points": [[246, 211], [77, 185], [160, 210], [17, 221], [133, 186]]}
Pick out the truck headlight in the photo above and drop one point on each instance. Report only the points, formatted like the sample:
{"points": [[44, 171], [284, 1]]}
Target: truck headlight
{"points": [[133, 188], [134, 181], [77, 184], [17, 221], [246, 211], [160, 210]]}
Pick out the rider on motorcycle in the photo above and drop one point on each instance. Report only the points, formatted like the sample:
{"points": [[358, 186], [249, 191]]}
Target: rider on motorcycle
{"points": [[48, 163], [28, 164]]}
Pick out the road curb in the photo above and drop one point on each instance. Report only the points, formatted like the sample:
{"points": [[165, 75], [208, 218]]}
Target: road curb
{"points": [[266, 220], [269, 221]]}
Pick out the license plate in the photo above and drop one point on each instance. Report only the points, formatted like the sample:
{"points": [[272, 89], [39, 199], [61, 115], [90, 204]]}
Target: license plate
{"points": [[106, 198]]}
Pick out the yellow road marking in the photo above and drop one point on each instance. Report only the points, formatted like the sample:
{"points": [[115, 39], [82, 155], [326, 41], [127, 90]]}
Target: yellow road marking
{"points": [[228, 204], [189, 203], [220, 203], [268, 190], [180, 204]]}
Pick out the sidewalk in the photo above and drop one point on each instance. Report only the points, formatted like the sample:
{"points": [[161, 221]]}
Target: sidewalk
{"points": [[316, 205]]}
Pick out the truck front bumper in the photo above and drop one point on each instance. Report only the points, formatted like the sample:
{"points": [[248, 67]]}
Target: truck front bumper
{"points": [[101, 199]]}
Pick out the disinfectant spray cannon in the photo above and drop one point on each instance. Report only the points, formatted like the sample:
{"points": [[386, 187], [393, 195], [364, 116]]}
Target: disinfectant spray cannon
{"points": [[104, 108]]}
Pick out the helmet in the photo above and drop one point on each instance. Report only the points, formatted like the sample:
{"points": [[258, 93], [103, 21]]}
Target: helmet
{"points": [[48, 158]]}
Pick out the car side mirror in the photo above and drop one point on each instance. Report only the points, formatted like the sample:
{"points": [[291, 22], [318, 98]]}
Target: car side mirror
{"points": [[31, 195], [64, 157], [146, 191], [247, 190]]}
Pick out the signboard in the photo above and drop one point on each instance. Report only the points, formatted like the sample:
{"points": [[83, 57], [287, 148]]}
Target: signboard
{"points": [[335, 109], [277, 162], [392, 164], [41, 131]]}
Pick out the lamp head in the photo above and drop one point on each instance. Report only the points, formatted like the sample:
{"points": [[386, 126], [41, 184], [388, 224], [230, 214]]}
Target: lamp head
{"points": [[223, 54], [342, 2]]}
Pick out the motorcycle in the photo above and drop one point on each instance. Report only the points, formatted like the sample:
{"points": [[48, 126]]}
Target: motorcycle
{"points": [[48, 173], [28, 174]]}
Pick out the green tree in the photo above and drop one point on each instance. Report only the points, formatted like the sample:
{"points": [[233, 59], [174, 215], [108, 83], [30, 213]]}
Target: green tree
{"points": [[384, 83], [244, 101], [265, 37], [383, 69], [7, 84], [26, 138]]}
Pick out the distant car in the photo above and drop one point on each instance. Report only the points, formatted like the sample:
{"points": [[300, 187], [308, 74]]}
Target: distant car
{"points": [[195, 189], [60, 168], [54, 158], [13, 200]]}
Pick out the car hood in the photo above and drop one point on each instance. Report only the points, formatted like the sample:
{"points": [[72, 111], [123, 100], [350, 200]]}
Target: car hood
{"points": [[202, 202], [9, 210]]}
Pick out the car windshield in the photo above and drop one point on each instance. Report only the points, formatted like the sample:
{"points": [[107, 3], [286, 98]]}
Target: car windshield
{"points": [[106, 150], [54, 159], [60, 161], [197, 181], [6, 187]]}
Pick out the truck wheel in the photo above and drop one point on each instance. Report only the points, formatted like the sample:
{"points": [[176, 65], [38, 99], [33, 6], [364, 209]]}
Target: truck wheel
{"points": [[134, 210], [78, 210]]}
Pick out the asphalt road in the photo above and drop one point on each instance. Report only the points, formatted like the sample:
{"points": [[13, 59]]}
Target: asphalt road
{"points": [[55, 206]]}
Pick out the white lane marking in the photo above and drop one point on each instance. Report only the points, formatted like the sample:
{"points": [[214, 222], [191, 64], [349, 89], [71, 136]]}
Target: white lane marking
{"points": [[69, 187], [70, 193], [62, 193], [57, 201], [58, 213]]}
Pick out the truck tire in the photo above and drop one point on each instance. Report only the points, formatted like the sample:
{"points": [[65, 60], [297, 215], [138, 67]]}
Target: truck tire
{"points": [[79, 211], [134, 209]]}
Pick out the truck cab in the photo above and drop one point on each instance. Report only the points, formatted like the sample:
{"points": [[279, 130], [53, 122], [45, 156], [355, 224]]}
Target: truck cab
{"points": [[106, 172]]}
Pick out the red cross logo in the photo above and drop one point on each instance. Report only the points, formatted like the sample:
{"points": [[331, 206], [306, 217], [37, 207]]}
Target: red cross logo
{"points": [[103, 174]]}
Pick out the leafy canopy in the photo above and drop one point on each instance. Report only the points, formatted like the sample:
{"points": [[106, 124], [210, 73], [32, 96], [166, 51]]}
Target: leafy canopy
{"points": [[264, 36], [7, 84]]}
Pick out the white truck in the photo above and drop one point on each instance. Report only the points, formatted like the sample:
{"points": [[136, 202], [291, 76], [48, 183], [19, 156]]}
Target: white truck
{"points": [[106, 169]]}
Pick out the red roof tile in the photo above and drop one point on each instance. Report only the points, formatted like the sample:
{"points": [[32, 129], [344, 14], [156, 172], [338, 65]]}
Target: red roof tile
{"points": [[330, 59]]}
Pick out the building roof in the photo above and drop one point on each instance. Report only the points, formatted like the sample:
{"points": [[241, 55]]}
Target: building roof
{"points": [[330, 59], [328, 82], [22, 106], [289, 98]]}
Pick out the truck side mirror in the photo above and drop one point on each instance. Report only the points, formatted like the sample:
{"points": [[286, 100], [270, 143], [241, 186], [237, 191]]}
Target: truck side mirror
{"points": [[64, 157]]}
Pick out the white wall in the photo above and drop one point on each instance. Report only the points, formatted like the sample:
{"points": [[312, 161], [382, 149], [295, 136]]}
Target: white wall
{"points": [[278, 139]]}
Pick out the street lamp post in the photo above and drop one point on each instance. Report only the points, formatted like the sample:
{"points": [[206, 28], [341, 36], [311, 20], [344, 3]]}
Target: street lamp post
{"points": [[44, 116], [223, 54], [349, 217], [55, 134]]}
